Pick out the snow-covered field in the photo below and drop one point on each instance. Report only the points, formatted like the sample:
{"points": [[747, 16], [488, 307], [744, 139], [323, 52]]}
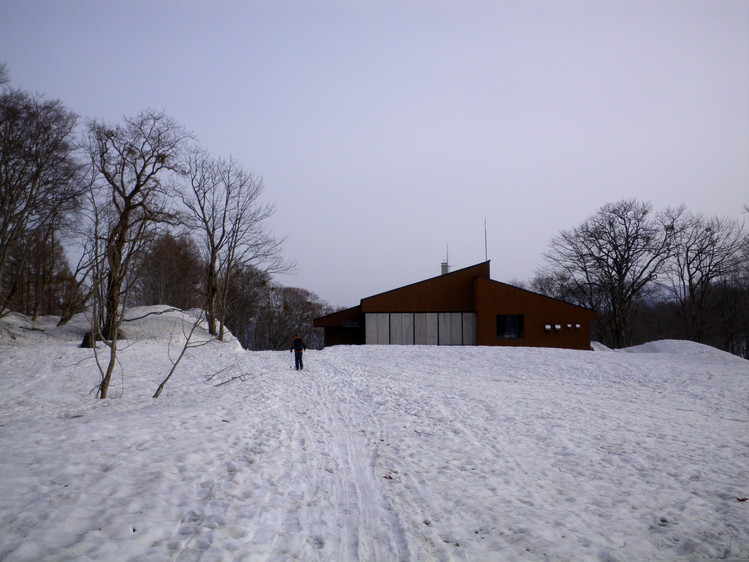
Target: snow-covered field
{"points": [[371, 453]]}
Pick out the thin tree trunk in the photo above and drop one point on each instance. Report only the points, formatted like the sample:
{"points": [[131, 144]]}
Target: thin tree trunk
{"points": [[211, 295], [104, 386]]}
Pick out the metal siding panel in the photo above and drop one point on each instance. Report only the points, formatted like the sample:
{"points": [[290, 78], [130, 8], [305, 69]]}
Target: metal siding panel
{"points": [[408, 329], [444, 328], [432, 332], [456, 328], [370, 321], [420, 328], [396, 329], [383, 328]]}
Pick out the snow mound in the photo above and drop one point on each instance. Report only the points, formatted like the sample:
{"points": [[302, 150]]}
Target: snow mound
{"points": [[680, 347], [163, 322], [17, 329], [157, 323], [598, 346]]}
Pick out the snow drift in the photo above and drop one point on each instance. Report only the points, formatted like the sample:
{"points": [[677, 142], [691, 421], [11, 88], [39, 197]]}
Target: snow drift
{"points": [[375, 453]]}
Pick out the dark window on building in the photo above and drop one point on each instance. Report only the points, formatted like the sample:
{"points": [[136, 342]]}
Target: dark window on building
{"points": [[510, 326]]}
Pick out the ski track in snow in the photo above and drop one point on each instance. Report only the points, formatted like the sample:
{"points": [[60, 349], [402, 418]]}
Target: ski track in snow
{"points": [[374, 453]]}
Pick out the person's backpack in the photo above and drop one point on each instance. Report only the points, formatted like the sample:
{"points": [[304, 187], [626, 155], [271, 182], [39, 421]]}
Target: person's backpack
{"points": [[298, 345]]}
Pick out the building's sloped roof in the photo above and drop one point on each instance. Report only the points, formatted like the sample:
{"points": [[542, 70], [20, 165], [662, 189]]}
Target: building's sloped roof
{"points": [[339, 318], [425, 294], [478, 270]]}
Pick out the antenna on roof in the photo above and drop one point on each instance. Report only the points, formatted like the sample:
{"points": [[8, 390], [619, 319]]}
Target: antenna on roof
{"points": [[486, 246], [446, 263]]}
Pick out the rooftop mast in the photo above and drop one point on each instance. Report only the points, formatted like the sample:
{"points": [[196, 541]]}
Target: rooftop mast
{"points": [[446, 263]]}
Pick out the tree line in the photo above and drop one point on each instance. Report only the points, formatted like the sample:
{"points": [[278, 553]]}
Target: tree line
{"points": [[651, 275], [151, 217]]}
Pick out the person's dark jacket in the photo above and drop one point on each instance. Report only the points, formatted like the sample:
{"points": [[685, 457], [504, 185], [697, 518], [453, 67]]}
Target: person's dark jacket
{"points": [[298, 345]]}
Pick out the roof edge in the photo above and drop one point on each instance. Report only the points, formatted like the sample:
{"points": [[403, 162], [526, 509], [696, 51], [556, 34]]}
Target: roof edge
{"points": [[342, 312], [542, 295], [462, 269]]}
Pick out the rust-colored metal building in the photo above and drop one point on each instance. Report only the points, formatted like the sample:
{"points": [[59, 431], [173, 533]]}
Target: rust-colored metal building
{"points": [[463, 307]]}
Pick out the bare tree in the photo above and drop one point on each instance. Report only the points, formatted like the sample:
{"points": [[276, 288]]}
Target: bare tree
{"points": [[224, 204], [704, 251], [39, 176], [613, 256], [130, 198]]}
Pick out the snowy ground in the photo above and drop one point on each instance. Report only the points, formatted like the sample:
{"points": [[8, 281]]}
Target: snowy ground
{"points": [[371, 453]]}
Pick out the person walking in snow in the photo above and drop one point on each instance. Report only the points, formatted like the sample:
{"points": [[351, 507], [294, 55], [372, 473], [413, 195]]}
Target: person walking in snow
{"points": [[298, 348]]}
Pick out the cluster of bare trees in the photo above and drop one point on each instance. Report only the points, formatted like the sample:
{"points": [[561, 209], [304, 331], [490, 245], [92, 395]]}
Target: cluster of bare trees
{"points": [[669, 274], [261, 314], [40, 189], [152, 218]]}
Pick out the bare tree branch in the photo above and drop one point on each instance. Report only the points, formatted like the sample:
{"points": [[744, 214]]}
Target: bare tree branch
{"points": [[187, 345], [223, 201]]}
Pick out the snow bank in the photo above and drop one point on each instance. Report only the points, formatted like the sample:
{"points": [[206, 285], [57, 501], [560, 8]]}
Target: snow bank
{"points": [[377, 453], [680, 347]]}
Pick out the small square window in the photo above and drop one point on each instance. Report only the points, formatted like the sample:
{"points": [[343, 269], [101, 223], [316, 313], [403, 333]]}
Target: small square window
{"points": [[510, 326]]}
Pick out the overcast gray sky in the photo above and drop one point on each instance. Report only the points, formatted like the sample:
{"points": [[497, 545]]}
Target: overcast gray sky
{"points": [[387, 131]]}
